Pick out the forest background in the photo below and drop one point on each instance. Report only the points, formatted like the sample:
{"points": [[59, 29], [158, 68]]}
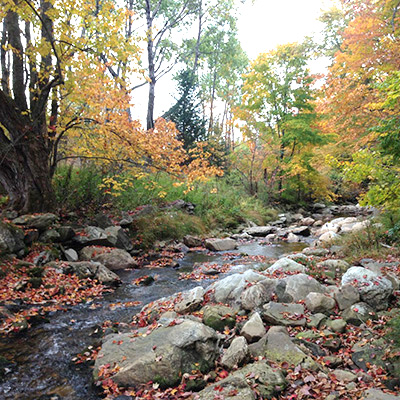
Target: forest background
{"points": [[242, 136]]}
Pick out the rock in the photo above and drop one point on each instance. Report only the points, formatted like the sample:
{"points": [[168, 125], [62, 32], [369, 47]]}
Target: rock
{"points": [[358, 313], [302, 231], [36, 221], [337, 325], [111, 237], [307, 221], [192, 241], [334, 265], [162, 356], [315, 251], [286, 265], [346, 296], [118, 238], [103, 221], [328, 237], [66, 233], [239, 385], [298, 257], [370, 354], [11, 239], [50, 236], [280, 348], [87, 269], [112, 258], [316, 320], [297, 287], [284, 314], [319, 303], [218, 317], [71, 255], [344, 376], [375, 394], [220, 244], [318, 206], [236, 354], [230, 289], [191, 300], [292, 238], [253, 330], [374, 289], [257, 295], [260, 231]]}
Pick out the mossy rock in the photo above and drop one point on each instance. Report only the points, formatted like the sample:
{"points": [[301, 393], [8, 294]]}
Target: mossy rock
{"points": [[218, 317]]}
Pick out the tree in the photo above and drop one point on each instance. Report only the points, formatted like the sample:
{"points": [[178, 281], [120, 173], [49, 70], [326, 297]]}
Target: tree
{"points": [[278, 95], [186, 112]]}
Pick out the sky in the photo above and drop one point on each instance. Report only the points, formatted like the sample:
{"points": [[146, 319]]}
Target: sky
{"points": [[262, 25]]}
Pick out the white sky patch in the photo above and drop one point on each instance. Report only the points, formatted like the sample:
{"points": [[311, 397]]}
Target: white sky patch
{"points": [[263, 26]]}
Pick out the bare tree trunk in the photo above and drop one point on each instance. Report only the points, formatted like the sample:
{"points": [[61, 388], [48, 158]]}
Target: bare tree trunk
{"points": [[210, 126], [152, 74]]}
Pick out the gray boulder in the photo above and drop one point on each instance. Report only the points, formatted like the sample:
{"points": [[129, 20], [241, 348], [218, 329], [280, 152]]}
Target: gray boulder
{"points": [[87, 269], [358, 313], [220, 244], [280, 348], [236, 354], [319, 303], [260, 231], [257, 295], [112, 258], [36, 221], [284, 314], [11, 239], [302, 231], [239, 385], [192, 241], [296, 287], [218, 317], [374, 289], [191, 300], [286, 265], [229, 289], [315, 251], [346, 296], [253, 330], [162, 356], [113, 236]]}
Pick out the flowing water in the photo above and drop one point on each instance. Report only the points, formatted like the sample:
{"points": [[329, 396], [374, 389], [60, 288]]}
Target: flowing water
{"points": [[42, 357]]}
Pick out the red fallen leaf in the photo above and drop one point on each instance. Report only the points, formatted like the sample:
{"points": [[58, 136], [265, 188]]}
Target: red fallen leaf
{"points": [[223, 374], [154, 347], [218, 388], [355, 309]]}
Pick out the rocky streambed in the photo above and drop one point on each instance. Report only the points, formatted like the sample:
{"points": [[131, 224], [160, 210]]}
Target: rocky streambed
{"points": [[230, 323]]}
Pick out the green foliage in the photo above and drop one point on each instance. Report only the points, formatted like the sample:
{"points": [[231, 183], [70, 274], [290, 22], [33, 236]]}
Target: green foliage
{"points": [[164, 225], [394, 330], [186, 112], [78, 188]]}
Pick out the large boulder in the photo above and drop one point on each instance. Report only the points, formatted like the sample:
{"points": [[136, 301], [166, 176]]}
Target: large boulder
{"points": [[190, 300], [319, 303], [358, 313], [230, 289], [36, 221], [296, 287], [220, 244], [87, 269], [253, 330], [192, 241], [236, 354], [11, 239], [374, 289], [284, 314], [280, 348], [257, 295], [346, 296], [260, 231], [161, 356], [286, 265], [218, 317], [239, 385], [112, 258], [113, 236]]}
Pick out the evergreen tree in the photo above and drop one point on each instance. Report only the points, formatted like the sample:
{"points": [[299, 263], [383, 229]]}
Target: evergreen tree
{"points": [[186, 112]]}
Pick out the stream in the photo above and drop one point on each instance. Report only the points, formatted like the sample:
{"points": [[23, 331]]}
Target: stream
{"points": [[42, 356]]}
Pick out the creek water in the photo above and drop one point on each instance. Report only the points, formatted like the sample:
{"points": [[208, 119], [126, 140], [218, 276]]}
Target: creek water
{"points": [[42, 356]]}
